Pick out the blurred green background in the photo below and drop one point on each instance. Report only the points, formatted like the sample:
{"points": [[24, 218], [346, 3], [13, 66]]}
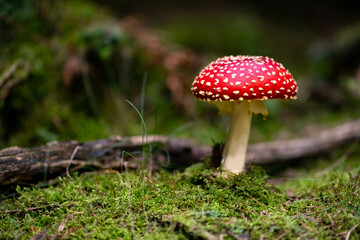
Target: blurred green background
{"points": [[68, 68]]}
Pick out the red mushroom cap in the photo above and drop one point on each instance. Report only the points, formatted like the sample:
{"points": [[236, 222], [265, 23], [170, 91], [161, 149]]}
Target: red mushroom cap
{"points": [[244, 78]]}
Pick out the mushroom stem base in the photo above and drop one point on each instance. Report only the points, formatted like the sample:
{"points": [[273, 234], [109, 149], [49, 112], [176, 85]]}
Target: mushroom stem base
{"points": [[233, 159]]}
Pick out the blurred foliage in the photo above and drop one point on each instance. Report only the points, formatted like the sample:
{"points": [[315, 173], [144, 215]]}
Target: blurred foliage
{"points": [[238, 34], [82, 68], [35, 110], [69, 66], [336, 65]]}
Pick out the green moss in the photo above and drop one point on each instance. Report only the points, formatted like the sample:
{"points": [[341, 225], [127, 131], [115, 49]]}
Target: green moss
{"points": [[193, 204]]}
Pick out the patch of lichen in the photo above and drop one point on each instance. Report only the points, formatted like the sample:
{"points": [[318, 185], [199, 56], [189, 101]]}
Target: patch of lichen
{"points": [[193, 204]]}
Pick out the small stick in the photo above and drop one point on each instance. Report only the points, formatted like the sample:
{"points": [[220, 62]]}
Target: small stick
{"points": [[352, 229], [92, 210], [332, 222], [280, 236], [282, 207], [70, 160], [36, 208], [231, 234], [339, 161], [254, 199]]}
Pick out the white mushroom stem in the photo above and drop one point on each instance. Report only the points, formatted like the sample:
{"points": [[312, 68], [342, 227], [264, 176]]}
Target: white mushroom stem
{"points": [[234, 154]]}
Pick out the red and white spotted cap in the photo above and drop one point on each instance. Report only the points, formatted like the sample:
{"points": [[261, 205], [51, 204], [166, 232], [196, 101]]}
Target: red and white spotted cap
{"points": [[237, 78]]}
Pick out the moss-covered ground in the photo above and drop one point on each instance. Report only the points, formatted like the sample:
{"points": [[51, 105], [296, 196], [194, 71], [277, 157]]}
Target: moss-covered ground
{"points": [[311, 199], [322, 203]]}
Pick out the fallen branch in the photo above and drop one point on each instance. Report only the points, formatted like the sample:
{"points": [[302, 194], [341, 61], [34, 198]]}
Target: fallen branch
{"points": [[315, 144], [26, 165]]}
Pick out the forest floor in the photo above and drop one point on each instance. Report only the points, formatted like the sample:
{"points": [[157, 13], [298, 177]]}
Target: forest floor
{"points": [[48, 64], [320, 200]]}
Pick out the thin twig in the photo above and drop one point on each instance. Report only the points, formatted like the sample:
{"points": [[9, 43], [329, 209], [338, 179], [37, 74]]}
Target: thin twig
{"points": [[304, 235], [339, 161], [309, 214], [9, 78], [92, 210], [306, 226], [27, 209], [352, 229], [9, 72], [282, 207], [280, 236], [254, 199], [70, 160], [331, 221], [231, 234], [36, 208]]}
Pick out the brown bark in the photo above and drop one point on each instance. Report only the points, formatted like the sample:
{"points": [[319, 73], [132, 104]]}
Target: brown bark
{"points": [[24, 165], [317, 143]]}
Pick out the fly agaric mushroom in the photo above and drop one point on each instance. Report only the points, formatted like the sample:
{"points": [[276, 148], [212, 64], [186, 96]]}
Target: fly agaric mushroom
{"points": [[238, 85]]}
